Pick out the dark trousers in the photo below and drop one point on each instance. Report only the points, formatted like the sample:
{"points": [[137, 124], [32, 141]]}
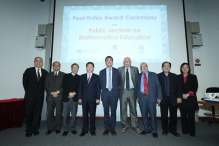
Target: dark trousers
{"points": [[109, 104], [33, 114], [89, 107], [171, 126], [188, 120], [54, 123], [148, 108]]}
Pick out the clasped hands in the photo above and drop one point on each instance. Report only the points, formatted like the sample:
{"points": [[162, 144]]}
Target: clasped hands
{"points": [[185, 96], [55, 94], [158, 101], [71, 94], [97, 101]]}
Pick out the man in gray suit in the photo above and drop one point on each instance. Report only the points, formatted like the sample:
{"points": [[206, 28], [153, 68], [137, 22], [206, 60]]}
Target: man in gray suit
{"points": [[128, 81], [54, 91]]}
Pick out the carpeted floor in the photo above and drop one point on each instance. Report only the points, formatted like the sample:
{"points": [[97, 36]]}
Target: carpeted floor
{"points": [[205, 136]]}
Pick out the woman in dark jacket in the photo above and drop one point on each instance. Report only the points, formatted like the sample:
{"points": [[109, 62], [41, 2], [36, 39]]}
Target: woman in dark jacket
{"points": [[188, 106]]}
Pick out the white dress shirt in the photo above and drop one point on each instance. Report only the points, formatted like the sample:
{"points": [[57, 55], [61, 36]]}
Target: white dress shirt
{"points": [[39, 71], [107, 76], [130, 78]]}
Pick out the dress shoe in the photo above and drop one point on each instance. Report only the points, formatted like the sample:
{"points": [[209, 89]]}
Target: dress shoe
{"points": [[144, 133], [165, 132], [137, 130], [113, 132], [184, 133], [93, 133], [28, 134], [57, 131], [124, 130], [49, 132], [106, 132], [36, 133], [74, 132], [155, 135], [65, 133], [82, 133], [175, 133], [192, 135]]}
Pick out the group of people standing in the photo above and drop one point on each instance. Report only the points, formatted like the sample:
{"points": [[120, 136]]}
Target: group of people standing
{"points": [[66, 91]]}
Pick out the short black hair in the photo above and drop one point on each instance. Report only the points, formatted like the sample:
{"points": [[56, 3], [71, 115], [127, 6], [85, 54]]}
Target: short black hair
{"points": [[56, 62], [166, 62], [90, 63], [182, 66], [74, 64], [108, 57]]}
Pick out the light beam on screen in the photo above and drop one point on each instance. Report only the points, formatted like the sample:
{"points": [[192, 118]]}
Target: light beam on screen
{"points": [[94, 32]]}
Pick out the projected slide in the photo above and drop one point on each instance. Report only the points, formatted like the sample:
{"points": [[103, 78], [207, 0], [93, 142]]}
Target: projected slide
{"points": [[90, 33]]}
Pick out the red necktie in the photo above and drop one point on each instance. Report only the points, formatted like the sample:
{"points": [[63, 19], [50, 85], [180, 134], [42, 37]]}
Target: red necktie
{"points": [[38, 75], [55, 77], [145, 84]]}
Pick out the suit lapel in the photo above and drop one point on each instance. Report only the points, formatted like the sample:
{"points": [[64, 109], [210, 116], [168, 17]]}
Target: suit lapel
{"points": [[123, 74], [104, 75], [34, 70], [132, 74]]}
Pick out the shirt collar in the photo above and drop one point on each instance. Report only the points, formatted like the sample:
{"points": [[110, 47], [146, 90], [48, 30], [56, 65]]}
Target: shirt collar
{"points": [[108, 68], [38, 68], [56, 72], [145, 73]]}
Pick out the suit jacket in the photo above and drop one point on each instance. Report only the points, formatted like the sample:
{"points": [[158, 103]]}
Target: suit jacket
{"points": [[174, 87], [34, 90], [154, 88], [89, 92], [190, 85], [134, 75], [52, 86], [115, 82], [70, 84]]}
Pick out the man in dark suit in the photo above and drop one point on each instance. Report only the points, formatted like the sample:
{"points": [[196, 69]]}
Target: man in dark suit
{"points": [[109, 80], [171, 95], [89, 96], [70, 99], [128, 79], [148, 94], [33, 83], [54, 91]]}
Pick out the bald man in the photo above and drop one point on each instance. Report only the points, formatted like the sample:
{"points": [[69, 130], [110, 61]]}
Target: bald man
{"points": [[128, 82]]}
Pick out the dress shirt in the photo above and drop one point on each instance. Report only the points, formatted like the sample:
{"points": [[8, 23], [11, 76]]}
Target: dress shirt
{"points": [[39, 71], [142, 81], [166, 83], [107, 76], [191, 93], [56, 72], [88, 75], [130, 78]]}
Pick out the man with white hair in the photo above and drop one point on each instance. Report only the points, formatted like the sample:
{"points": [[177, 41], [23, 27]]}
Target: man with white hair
{"points": [[128, 82], [148, 94]]}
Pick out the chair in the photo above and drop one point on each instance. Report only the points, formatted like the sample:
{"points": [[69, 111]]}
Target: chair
{"points": [[212, 114]]}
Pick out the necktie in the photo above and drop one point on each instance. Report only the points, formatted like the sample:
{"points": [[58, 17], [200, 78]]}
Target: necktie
{"points": [[109, 81], [127, 79], [88, 80], [145, 84], [38, 74], [55, 77]]}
